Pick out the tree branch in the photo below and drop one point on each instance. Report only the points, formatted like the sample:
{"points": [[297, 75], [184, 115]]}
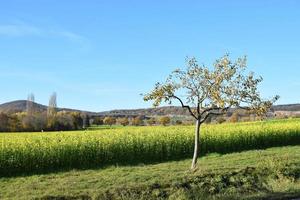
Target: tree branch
{"points": [[213, 108], [185, 106], [222, 112]]}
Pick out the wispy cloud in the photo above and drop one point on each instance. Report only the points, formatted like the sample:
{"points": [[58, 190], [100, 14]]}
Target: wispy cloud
{"points": [[22, 29], [70, 35], [26, 74], [73, 37], [18, 30]]}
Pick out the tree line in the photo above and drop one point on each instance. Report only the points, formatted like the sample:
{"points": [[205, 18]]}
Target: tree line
{"points": [[134, 121], [50, 120]]}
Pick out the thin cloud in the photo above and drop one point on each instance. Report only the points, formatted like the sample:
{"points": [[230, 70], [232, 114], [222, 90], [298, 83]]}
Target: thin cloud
{"points": [[24, 30], [42, 77], [69, 35], [73, 37], [19, 30]]}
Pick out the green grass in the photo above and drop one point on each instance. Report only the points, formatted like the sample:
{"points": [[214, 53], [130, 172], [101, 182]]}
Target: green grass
{"points": [[260, 174], [23, 153]]}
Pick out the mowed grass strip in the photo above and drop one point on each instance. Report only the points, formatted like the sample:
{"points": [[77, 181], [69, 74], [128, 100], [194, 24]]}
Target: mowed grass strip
{"points": [[48, 151]]}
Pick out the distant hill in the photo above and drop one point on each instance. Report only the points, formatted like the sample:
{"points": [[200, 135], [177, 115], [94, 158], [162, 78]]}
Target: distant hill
{"points": [[287, 107], [20, 106], [176, 110], [167, 110]]}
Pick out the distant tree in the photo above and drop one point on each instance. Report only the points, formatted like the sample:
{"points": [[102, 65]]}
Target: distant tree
{"points": [[14, 123], [109, 121], [209, 91], [40, 121], [27, 123], [234, 117], [86, 120], [246, 119], [52, 105], [221, 119], [30, 104], [52, 123], [165, 120], [98, 121], [124, 121], [151, 121], [63, 121], [4, 122], [36, 122], [137, 121], [77, 120], [178, 122]]}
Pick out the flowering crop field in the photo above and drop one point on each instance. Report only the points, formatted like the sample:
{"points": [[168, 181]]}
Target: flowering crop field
{"points": [[48, 151]]}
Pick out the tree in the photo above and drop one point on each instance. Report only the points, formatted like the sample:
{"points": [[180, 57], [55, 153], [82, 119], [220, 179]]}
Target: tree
{"points": [[27, 122], [205, 92], [137, 121], [124, 121], [77, 120], [109, 120], [164, 120], [178, 122], [151, 121], [221, 119], [98, 121], [234, 117], [52, 105], [30, 104], [4, 122], [40, 121], [14, 123], [86, 120]]}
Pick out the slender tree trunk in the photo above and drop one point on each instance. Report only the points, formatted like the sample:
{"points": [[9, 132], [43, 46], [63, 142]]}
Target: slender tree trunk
{"points": [[197, 142]]}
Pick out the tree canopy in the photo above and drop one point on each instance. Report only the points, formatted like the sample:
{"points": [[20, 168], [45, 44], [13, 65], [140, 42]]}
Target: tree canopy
{"points": [[204, 91]]}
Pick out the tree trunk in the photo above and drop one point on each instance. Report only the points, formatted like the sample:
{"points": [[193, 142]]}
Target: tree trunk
{"points": [[197, 142]]}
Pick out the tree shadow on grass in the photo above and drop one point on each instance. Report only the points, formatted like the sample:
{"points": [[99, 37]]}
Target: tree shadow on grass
{"points": [[83, 168], [272, 196], [278, 196]]}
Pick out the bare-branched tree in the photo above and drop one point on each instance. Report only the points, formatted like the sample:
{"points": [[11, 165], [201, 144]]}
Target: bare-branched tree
{"points": [[205, 92], [30, 104], [52, 105]]}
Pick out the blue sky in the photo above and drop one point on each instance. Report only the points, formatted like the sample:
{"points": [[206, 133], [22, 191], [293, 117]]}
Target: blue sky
{"points": [[100, 55]]}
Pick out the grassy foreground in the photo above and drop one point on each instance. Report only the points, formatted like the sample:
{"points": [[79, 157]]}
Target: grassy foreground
{"points": [[51, 151], [260, 174]]}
